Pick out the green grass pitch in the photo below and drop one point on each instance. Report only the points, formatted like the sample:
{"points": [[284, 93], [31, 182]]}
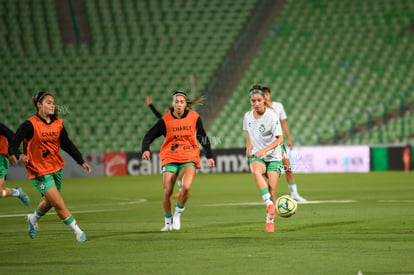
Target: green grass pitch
{"points": [[365, 223]]}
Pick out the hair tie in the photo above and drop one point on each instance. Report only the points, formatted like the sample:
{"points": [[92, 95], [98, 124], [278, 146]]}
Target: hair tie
{"points": [[255, 91], [178, 92], [39, 96]]}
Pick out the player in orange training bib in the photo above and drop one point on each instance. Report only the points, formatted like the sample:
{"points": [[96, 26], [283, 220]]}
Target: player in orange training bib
{"points": [[43, 135], [182, 129]]}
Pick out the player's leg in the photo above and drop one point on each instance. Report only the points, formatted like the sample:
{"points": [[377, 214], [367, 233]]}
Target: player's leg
{"points": [[188, 172], [10, 192], [406, 161], [273, 179], [168, 179], [291, 180], [42, 184], [4, 192], [179, 183], [53, 198], [4, 168], [258, 169], [49, 186], [274, 169], [14, 192]]}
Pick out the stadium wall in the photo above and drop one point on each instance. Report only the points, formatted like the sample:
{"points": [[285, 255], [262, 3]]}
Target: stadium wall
{"points": [[305, 159]]}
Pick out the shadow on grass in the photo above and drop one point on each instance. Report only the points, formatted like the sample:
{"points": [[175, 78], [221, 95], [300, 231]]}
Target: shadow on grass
{"points": [[225, 228], [320, 225]]}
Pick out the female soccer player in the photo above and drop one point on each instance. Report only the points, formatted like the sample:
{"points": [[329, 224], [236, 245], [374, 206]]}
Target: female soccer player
{"points": [[179, 153], [5, 160], [406, 158], [278, 107], [148, 100], [42, 135], [264, 137]]}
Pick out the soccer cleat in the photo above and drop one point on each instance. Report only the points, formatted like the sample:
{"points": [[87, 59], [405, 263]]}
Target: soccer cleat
{"points": [[270, 227], [23, 197], [176, 222], [80, 237], [271, 212], [177, 194], [298, 198], [167, 227], [33, 227]]}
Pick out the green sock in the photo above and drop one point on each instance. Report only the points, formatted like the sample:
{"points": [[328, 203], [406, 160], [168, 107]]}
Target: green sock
{"points": [[69, 220], [168, 218], [39, 213], [179, 209], [72, 224], [292, 187], [264, 191], [267, 198]]}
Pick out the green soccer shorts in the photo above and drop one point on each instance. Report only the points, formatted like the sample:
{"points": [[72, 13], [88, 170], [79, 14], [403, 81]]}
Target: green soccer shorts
{"points": [[4, 166], [46, 182], [176, 167], [275, 165]]}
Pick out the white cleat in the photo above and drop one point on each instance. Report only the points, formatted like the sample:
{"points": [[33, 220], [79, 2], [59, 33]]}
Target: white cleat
{"points": [[298, 198], [32, 226], [176, 222], [167, 227], [80, 237]]}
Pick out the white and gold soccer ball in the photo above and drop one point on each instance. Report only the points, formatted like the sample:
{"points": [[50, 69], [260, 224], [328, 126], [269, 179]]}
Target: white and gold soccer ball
{"points": [[286, 206]]}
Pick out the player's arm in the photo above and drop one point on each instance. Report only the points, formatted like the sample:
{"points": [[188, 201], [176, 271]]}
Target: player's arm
{"points": [[205, 142], [148, 100], [8, 133], [67, 145], [278, 141], [157, 130], [25, 131], [249, 145], [285, 129], [203, 139], [155, 111], [5, 131]]}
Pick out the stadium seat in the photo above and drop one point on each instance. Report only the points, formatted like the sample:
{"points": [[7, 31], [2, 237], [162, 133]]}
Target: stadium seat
{"points": [[139, 48], [339, 61]]}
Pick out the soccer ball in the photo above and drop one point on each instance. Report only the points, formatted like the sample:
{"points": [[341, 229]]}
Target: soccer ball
{"points": [[286, 206]]}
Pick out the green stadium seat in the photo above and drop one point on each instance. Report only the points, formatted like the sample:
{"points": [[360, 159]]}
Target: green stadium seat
{"points": [[361, 121], [344, 128], [350, 58], [325, 60], [136, 51]]}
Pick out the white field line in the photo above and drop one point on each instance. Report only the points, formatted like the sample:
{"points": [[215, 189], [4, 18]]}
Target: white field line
{"points": [[394, 201], [208, 205], [261, 203], [52, 212]]}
